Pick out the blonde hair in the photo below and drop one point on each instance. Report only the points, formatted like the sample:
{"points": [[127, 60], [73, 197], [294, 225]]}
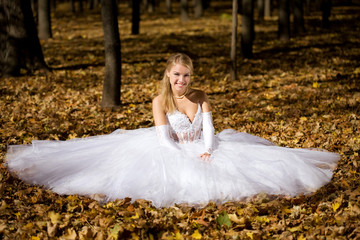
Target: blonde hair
{"points": [[166, 91]]}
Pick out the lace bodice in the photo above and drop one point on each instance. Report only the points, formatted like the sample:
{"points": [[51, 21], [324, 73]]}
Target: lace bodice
{"points": [[182, 129]]}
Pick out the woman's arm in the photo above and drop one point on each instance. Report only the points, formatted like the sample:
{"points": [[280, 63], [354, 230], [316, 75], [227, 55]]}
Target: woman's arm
{"points": [[161, 125], [208, 128], [159, 111]]}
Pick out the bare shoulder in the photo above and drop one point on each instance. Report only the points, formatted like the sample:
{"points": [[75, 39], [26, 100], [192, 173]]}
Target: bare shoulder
{"points": [[157, 101], [158, 111]]}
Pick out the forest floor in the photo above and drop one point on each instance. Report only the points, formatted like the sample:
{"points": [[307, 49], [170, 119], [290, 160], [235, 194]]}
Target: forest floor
{"points": [[303, 94]]}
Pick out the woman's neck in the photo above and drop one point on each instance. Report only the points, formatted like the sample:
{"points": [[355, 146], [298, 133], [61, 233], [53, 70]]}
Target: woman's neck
{"points": [[180, 95]]}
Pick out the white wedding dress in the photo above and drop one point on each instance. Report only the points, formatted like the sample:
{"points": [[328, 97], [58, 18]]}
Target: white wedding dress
{"points": [[134, 163]]}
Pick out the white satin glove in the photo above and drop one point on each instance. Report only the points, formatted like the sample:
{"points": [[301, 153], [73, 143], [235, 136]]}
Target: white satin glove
{"points": [[163, 133], [208, 132]]}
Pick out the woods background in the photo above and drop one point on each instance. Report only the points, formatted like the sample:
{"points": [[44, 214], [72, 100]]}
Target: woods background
{"points": [[301, 91]]}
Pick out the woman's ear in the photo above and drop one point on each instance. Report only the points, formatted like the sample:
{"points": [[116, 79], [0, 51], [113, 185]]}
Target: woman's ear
{"points": [[167, 73]]}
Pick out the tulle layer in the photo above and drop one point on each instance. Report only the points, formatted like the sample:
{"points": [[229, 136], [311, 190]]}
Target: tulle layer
{"points": [[131, 163]]}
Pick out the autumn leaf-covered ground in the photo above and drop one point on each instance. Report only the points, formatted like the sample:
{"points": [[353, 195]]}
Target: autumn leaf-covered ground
{"points": [[304, 93]]}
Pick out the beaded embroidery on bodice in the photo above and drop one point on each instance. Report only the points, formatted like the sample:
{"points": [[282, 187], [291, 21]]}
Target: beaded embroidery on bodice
{"points": [[182, 129]]}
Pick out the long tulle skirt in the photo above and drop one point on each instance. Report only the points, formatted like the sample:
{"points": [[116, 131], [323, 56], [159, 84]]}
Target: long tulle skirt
{"points": [[132, 163]]}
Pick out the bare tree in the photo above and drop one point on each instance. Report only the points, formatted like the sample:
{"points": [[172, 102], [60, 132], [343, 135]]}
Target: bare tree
{"points": [[19, 42], [135, 17], [168, 7], [298, 17], [261, 8], [326, 12], [284, 20], [112, 83], [247, 28], [234, 40], [199, 8], [184, 16], [44, 19], [267, 8]]}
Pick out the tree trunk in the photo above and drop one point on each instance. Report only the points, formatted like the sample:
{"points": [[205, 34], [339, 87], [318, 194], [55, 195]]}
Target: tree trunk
{"points": [[135, 17], [308, 7], [247, 28], [81, 6], [44, 19], [112, 82], [240, 7], [151, 6], [168, 7], [199, 10], [19, 43], [326, 12], [284, 20], [267, 8], [206, 4], [299, 17], [184, 16], [72, 6], [91, 4], [53, 5], [234, 41], [260, 8]]}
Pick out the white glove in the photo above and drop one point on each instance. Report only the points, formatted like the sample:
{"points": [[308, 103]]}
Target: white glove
{"points": [[163, 133], [208, 132]]}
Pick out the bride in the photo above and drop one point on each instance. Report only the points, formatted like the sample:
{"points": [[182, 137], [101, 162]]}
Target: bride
{"points": [[180, 160]]}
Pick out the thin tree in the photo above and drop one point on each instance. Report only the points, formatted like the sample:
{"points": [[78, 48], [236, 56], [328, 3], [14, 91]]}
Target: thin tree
{"points": [[199, 8], [168, 7], [261, 9], [326, 12], [112, 83], [184, 16], [267, 8], [298, 17], [234, 40], [135, 17], [44, 19], [247, 28], [284, 20], [72, 6], [19, 42]]}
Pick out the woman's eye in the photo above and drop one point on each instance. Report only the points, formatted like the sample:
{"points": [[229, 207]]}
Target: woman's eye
{"points": [[176, 74]]}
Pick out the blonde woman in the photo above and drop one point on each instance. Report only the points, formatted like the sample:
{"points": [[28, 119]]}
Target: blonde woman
{"points": [[180, 160]]}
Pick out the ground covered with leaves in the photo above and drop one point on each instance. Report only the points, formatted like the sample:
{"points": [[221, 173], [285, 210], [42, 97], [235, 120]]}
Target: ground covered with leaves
{"points": [[302, 93]]}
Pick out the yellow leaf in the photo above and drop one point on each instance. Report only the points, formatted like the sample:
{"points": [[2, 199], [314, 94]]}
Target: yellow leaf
{"points": [[109, 205], [295, 229], [18, 215], [250, 235], [335, 206], [315, 85], [35, 238], [54, 217], [196, 235], [301, 237], [134, 236], [263, 219], [178, 235], [136, 216]]}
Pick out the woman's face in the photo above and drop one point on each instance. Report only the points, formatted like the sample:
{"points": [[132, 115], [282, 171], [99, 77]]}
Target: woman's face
{"points": [[179, 77]]}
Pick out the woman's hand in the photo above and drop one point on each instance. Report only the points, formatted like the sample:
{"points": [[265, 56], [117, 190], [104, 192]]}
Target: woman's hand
{"points": [[205, 157]]}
